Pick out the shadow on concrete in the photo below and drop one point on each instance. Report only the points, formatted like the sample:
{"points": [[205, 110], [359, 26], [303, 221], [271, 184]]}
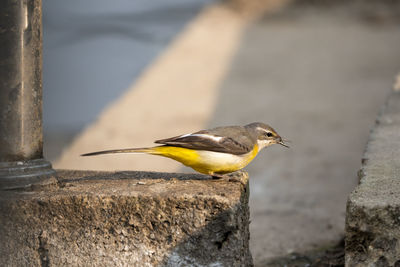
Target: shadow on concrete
{"points": [[122, 25], [78, 176], [223, 241], [329, 256]]}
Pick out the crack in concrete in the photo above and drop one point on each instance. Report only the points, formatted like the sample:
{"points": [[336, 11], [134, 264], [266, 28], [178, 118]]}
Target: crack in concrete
{"points": [[43, 250]]}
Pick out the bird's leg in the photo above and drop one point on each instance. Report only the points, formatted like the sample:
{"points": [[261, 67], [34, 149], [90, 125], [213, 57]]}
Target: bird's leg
{"points": [[216, 175]]}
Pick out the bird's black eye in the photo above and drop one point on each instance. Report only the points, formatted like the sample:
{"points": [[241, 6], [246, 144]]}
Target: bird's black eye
{"points": [[269, 134]]}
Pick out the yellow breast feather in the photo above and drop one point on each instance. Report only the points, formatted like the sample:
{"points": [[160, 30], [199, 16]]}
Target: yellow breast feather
{"points": [[207, 162]]}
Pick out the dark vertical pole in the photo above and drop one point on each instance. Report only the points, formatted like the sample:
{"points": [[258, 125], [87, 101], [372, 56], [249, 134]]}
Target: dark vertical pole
{"points": [[21, 137]]}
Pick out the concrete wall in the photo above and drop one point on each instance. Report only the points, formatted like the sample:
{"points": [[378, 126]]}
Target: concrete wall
{"points": [[127, 219], [373, 208]]}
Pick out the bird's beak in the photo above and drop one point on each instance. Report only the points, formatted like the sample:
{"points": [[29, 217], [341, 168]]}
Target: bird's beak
{"points": [[282, 142]]}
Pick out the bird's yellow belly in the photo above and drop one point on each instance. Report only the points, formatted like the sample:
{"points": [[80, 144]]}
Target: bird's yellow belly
{"points": [[207, 162]]}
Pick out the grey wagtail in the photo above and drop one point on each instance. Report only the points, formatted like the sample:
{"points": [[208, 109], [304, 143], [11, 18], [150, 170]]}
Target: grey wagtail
{"points": [[214, 152]]}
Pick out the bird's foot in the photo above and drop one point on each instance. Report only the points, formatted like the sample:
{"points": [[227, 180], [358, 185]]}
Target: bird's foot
{"points": [[216, 176]]}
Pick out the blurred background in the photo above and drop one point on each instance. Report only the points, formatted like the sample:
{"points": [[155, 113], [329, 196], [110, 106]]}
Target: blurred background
{"points": [[124, 73], [94, 50]]}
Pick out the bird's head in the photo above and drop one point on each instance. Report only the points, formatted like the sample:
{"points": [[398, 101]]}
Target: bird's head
{"points": [[265, 135]]}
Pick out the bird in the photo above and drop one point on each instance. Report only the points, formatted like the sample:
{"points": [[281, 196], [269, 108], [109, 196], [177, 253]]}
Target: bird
{"points": [[216, 152]]}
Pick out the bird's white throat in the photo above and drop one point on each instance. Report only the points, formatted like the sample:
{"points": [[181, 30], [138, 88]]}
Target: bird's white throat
{"points": [[264, 143]]}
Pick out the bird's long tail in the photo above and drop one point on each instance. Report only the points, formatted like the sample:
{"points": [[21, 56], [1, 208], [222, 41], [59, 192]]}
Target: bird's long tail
{"points": [[149, 150]]}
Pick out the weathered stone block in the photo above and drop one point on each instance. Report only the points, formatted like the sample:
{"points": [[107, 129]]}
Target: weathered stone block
{"points": [[127, 219], [373, 208]]}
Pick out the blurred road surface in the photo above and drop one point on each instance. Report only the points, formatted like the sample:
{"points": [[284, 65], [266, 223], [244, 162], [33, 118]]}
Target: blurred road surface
{"points": [[93, 50]]}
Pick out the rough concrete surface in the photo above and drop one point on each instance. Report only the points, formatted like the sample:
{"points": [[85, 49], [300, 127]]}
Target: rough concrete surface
{"points": [[128, 219], [373, 208]]}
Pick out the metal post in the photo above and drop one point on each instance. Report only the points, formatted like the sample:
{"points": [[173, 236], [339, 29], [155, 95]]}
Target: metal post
{"points": [[21, 137]]}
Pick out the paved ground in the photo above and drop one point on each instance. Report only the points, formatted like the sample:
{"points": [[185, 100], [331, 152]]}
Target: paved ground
{"points": [[318, 77], [93, 50]]}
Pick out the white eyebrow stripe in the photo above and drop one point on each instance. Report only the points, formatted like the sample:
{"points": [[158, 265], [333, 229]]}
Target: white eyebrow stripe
{"points": [[212, 137], [265, 130]]}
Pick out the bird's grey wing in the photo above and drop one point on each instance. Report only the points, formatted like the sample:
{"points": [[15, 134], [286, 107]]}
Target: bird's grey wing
{"points": [[234, 140]]}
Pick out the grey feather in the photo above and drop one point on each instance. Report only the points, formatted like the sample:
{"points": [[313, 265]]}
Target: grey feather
{"points": [[234, 140]]}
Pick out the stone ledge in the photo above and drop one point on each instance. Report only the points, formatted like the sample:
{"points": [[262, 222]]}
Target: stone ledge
{"points": [[128, 219], [373, 208]]}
